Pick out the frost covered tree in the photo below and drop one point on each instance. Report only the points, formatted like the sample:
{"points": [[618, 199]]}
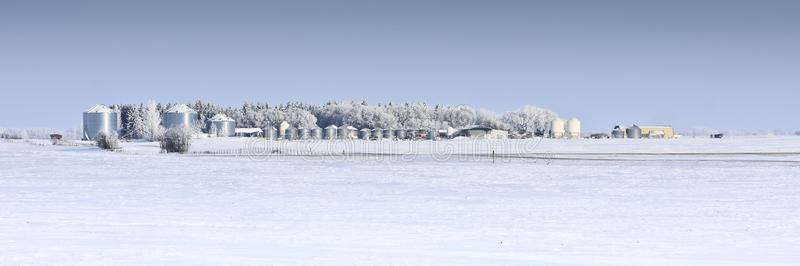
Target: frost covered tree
{"points": [[137, 126], [333, 113], [459, 116], [530, 119], [152, 122], [364, 116], [299, 117], [487, 118]]}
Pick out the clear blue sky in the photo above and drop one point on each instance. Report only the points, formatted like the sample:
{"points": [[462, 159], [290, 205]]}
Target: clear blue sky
{"points": [[721, 64]]}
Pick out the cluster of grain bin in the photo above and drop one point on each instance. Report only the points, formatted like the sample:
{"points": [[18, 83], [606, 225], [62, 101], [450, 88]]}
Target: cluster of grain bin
{"points": [[565, 129], [100, 119], [638, 132]]}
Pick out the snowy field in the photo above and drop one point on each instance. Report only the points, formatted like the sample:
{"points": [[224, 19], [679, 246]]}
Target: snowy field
{"points": [[544, 202]]}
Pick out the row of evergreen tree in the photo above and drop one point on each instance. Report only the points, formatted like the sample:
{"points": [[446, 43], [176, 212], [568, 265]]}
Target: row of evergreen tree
{"points": [[142, 120]]}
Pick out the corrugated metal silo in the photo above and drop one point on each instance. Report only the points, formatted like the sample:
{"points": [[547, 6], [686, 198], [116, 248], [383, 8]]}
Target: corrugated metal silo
{"points": [[100, 119], [634, 132], [271, 133], [220, 125], [290, 133], [400, 133], [353, 132], [364, 133], [343, 132], [303, 133], [377, 134], [316, 133], [180, 116], [388, 133], [573, 128], [617, 133], [330, 132], [557, 128]]}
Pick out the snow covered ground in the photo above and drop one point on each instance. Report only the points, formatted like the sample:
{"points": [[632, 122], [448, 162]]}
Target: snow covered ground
{"points": [[554, 202]]}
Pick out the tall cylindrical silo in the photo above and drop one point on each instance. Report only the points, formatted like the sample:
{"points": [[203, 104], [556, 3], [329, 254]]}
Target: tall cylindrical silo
{"points": [[573, 128], [303, 133], [400, 133], [377, 134], [290, 133], [364, 133], [316, 133], [271, 133], [557, 128], [330, 132], [343, 132], [388, 133]]}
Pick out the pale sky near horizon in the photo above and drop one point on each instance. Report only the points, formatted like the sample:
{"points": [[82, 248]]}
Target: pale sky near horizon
{"points": [[718, 64]]}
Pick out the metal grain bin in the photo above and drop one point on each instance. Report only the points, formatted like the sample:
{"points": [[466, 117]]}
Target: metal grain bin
{"points": [[364, 133], [330, 132], [342, 132], [220, 125], [271, 133], [100, 119], [377, 133], [303, 133], [400, 133], [617, 133], [353, 132], [290, 133], [634, 132], [316, 133], [388, 133], [179, 116]]}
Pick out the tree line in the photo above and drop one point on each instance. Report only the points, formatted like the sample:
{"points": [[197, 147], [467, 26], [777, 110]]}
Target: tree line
{"points": [[142, 121]]}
